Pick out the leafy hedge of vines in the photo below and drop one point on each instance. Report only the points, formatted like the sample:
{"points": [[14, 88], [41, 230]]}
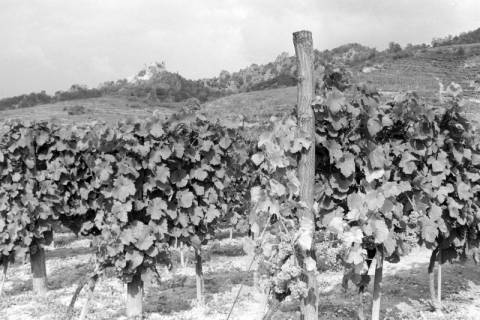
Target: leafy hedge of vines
{"points": [[386, 173], [389, 171], [138, 186]]}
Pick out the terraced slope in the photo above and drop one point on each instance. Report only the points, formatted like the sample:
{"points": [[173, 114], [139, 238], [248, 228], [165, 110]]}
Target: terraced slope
{"points": [[109, 109], [254, 106], [423, 71]]}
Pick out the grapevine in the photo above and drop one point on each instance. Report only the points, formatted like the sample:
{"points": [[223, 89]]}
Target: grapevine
{"points": [[137, 187], [390, 172]]}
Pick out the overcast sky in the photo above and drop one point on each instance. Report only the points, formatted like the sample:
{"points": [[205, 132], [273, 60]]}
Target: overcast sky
{"points": [[51, 44]]}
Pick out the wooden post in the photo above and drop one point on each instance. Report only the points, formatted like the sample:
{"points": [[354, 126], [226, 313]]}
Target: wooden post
{"points": [[431, 288], [135, 297], [199, 277], [39, 271], [91, 286], [377, 286], [4, 275], [431, 279], [37, 252], [360, 312], [273, 306], [182, 257], [439, 279], [303, 43]]}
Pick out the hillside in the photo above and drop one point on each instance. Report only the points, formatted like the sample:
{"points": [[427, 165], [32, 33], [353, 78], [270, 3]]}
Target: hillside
{"points": [[249, 108], [255, 106], [426, 69], [155, 84], [109, 109], [423, 71], [463, 38], [258, 91]]}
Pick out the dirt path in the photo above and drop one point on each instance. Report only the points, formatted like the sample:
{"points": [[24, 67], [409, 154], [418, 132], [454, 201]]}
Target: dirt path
{"points": [[405, 291]]}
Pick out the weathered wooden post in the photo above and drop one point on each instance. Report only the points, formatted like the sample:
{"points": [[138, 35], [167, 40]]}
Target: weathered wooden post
{"points": [[90, 287], [439, 279], [39, 272], [199, 277], [135, 297], [377, 285], [4, 276], [303, 43], [37, 252], [431, 279]]}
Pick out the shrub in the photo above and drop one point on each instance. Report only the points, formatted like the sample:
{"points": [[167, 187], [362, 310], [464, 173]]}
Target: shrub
{"points": [[75, 110], [460, 51]]}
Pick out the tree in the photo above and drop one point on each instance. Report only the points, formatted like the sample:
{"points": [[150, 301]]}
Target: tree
{"points": [[394, 47]]}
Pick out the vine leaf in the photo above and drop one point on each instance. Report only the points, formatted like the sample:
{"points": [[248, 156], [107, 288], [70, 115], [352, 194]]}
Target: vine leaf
{"points": [[377, 158], [373, 126], [407, 163], [162, 173], [199, 174], [258, 158], [135, 258], [123, 188], [429, 230], [335, 100], [354, 235], [277, 188], [225, 142], [157, 130], [157, 208], [463, 191], [347, 164], [121, 210], [373, 175], [185, 198], [334, 221], [435, 212], [211, 214], [380, 230], [356, 255]]}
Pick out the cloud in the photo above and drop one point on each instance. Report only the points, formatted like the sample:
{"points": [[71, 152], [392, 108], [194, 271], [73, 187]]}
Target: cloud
{"points": [[102, 65], [92, 41]]}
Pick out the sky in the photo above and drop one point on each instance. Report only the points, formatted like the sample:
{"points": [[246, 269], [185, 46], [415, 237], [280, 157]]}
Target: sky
{"points": [[52, 44]]}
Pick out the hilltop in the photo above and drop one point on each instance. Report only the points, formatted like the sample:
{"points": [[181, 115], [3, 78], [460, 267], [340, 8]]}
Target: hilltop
{"points": [[461, 39]]}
